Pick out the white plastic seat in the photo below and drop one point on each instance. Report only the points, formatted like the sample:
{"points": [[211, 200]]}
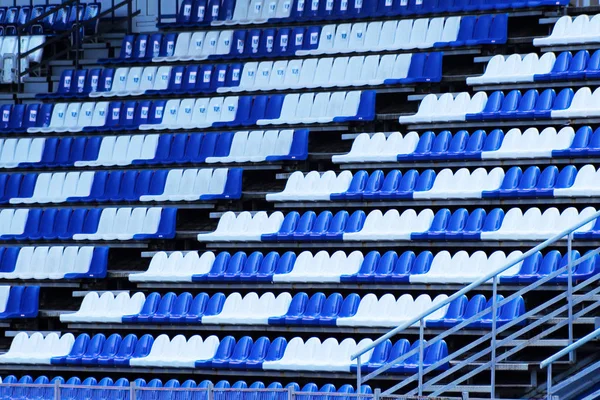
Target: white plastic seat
{"points": [[322, 72], [70, 119], [288, 111], [545, 64], [577, 31], [372, 36], [134, 80], [195, 48], [341, 39], [56, 121], [318, 109], [105, 225], [326, 41], [86, 113], [526, 70], [338, 73], [587, 105], [559, 31], [240, 12], [451, 28], [118, 86], [224, 42], [427, 108], [291, 75], [386, 36], [512, 224], [169, 119], [303, 109], [357, 37], [209, 47], [182, 47], [434, 33], [493, 72], [307, 73], [418, 34], [263, 76], [284, 9], [213, 112], [591, 32], [402, 34]]}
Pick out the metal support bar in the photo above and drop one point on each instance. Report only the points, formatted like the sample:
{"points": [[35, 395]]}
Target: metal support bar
{"points": [[421, 354], [570, 292], [494, 317]]}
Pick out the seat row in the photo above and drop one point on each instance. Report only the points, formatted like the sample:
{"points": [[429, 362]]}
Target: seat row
{"points": [[19, 301], [196, 352], [568, 30], [165, 149], [564, 67], [251, 76], [43, 388], [106, 307], [373, 267], [377, 226], [462, 309], [444, 146], [123, 223], [330, 39], [56, 262], [253, 310], [514, 105], [191, 12], [114, 186], [446, 184], [61, 19], [448, 108], [411, 34], [306, 108]]}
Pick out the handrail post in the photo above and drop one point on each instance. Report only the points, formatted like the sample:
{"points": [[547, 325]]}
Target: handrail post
{"points": [[77, 33], [494, 320], [549, 382], [129, 19], [421, 352], [57, 390], [570, 292], [377, 394], [132, 391], [17, 73], [358, 374], [211, 393], [159, 11], [290, 392]]}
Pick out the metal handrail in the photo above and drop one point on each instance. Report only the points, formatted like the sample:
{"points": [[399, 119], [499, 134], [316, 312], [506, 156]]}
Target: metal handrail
{"points": [[74, 28], [476, 283], [492, 276], [547, 363], [570, 348]]}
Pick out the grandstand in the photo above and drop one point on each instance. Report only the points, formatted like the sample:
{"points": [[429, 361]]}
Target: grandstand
{"points": [[296, 200]]}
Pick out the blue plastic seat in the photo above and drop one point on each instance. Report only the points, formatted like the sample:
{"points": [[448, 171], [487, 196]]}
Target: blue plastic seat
{"points": [[141, 349], [559, 68], [579, 145], [124, 351], [592, 70]]}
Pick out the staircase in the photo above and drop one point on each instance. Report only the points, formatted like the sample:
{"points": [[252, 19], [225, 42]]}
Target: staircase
{"points": [[561, 309]]}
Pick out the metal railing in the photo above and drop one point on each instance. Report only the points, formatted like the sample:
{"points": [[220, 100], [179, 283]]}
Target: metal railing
{"points": [[62, 391], [568, 350], [486, 346], [74, 33]]}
